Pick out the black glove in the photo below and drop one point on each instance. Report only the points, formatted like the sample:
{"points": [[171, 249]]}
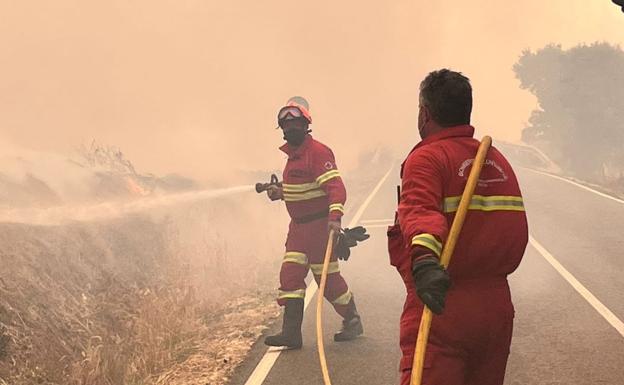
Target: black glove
{"points": [[432, 282], [349, 238]]}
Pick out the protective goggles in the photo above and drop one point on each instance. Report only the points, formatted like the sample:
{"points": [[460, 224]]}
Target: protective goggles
{"points": [[293, 112]]}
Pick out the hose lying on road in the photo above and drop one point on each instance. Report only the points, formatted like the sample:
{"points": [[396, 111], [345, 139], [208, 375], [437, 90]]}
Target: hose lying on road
{"points": [[447, 252], [319, 309]]}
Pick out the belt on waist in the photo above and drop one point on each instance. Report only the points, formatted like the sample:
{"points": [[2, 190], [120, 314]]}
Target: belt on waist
{"points": [[312, 217]]}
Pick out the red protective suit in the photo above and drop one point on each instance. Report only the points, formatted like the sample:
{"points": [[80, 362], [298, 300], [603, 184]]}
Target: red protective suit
{"points": [[314, 193], [469, 342]]}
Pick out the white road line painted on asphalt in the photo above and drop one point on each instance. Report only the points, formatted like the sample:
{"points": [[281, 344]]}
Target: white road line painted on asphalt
{"points": [[576, 184], [374, 221], [358, 215], [379, 225], [265, 365], [582, 290], [263, 368]]}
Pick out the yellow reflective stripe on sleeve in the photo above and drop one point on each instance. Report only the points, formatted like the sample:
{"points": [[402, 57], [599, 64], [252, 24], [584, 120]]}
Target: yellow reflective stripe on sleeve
{"points": [[299, 188], [486, 203], [343, 299], [295, 257], [429, 241], [327, 176], [300, 293], [336, 207], [317, 268], [295, 197]]}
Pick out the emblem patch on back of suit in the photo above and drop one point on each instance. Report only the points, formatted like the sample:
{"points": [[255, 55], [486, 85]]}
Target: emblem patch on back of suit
{"points": [[492, 172]]}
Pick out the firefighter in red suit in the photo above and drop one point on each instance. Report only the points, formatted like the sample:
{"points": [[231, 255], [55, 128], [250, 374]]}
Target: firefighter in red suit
{"points": [[315, 196], [472, 327]]}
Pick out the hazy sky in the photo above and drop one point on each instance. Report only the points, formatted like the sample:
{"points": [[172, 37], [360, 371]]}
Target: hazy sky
{"points": [[194, 86]]}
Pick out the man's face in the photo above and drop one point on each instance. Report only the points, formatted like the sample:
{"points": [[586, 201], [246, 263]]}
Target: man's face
{"points": [[293, 125], [295, 131], [424, 119]]}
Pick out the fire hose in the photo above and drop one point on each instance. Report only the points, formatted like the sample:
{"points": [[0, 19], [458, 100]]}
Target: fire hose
{"points": [[447, 252], [319, 308], [262, 187], [338, 244]]}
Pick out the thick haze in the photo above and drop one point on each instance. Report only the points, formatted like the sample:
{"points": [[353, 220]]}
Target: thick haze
{"points": [[194, 86]]}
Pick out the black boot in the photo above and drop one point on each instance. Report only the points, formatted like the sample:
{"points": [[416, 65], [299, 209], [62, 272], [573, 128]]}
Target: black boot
{"points": [[351, 325], [291, 328]]}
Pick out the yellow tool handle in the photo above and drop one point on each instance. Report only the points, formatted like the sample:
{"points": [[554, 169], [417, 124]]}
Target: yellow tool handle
{"points": [[447, 252], [319, 309]]}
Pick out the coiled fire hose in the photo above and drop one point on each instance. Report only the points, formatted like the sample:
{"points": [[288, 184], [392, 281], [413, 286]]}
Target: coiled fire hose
{"points": [[447, 252], [319, 308]]}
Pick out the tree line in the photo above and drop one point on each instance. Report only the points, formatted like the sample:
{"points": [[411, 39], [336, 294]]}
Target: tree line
{"points": [[580, 116]]}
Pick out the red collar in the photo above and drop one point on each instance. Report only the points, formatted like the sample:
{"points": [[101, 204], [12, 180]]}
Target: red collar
{"points": [[294, 152], [465, 131], [450, 132]]}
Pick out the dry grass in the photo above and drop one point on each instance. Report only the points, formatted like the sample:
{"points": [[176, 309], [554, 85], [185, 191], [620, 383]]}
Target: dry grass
{"points": [[169, 299], [174, 297], [229, 337]]}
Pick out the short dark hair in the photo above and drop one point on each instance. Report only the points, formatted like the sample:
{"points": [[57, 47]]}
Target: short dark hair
{"points": [[448, 96]]}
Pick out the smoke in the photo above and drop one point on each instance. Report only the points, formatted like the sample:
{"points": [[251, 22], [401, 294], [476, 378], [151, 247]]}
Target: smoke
{"points": [[120, 286], [64, 214], [193, 87], [40, 177]]}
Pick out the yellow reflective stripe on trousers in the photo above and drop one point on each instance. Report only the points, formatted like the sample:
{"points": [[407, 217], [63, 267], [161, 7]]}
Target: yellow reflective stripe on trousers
{"points": [[295, 257], [299, 188], [343, 299], [317, 268], [429, 241], [300, 293], [486, 203], [336, 207], [296, 197], [327, 176]]}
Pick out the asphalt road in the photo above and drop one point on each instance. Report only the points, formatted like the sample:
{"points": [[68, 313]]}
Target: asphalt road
{"points": [[559, 338]]}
